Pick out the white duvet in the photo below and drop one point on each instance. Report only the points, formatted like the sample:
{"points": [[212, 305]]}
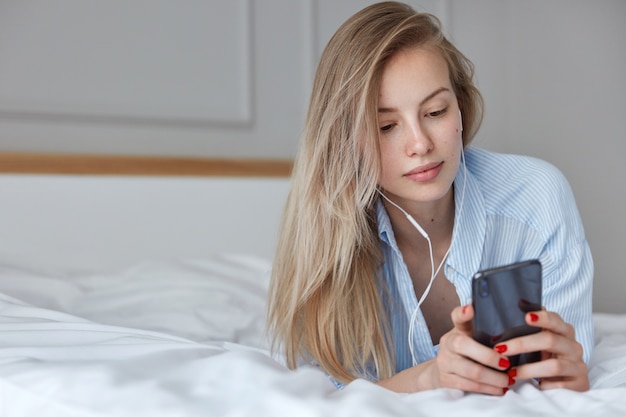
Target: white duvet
{"points": [[185, 338]]}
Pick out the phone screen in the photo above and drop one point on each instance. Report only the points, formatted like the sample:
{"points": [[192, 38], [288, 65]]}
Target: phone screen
{"points": [[502, 297]]}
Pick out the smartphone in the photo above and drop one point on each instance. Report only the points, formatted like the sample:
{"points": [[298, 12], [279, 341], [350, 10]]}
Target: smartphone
{"points": [[501, 297]]}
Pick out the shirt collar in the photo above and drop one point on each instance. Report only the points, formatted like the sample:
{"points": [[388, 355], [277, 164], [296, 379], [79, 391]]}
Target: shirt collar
{"points": [[468, 236], [385, 231]]}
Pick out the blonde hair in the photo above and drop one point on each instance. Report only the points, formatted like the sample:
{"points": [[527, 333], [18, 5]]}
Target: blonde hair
{"points": [[325, 300]]}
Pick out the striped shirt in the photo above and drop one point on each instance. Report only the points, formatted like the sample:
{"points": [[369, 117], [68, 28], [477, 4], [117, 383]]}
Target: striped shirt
{"points": [[515, 208]]}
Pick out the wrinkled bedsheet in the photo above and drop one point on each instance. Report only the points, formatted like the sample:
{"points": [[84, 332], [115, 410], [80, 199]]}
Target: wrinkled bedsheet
{"points": [[185, 338]]}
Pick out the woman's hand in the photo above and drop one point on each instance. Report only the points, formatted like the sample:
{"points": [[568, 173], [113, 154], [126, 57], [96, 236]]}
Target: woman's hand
{"points": [[562, 364], [465, 364], [462, 363]]}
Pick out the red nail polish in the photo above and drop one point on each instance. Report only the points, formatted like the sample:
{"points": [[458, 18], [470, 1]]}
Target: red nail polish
{"points": [[501, 348], [511, 381], [534, 317], [504, 363], [504, 390], [512, 372]]}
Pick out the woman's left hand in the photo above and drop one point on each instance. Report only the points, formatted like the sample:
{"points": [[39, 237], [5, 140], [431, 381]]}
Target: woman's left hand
{"points": [[562, 364]]}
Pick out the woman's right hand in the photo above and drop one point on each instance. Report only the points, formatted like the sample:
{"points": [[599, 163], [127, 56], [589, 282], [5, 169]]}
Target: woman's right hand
{"points": [[463, 363]]}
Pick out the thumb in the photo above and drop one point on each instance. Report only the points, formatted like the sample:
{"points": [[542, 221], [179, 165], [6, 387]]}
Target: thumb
{"points": [[462, 318]]}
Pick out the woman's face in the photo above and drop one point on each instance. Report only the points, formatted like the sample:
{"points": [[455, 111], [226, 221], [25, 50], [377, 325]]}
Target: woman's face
{"points": [[420, 128]]}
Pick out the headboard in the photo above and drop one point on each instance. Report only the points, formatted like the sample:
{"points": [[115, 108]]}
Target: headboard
{"points": [[93, 212]]}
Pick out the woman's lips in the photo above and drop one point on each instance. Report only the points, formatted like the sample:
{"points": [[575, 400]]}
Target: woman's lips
{"points": [[425, 172]]}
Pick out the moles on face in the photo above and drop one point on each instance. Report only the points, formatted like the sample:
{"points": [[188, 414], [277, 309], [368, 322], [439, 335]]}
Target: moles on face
{"points": [[420, 128]]}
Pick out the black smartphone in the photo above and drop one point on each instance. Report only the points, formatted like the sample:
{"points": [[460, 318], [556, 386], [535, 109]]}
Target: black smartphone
{"points": [[502, 297]]}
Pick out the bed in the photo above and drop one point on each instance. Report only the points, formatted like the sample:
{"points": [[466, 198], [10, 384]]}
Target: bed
{"points": [[136, 287]]}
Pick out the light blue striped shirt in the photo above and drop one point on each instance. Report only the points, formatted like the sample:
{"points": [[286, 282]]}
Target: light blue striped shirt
{"points": [[515, 208]]}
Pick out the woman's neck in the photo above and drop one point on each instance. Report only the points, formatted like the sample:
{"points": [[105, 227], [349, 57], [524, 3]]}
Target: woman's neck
{"points": [[436, 218]]}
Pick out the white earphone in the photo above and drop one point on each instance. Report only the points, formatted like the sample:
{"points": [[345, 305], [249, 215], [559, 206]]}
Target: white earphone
{"points": [[410, 218], [420, 229]]}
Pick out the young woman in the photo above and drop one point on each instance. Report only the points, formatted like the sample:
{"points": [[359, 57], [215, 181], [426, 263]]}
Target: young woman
{"points": [[389, 205]]}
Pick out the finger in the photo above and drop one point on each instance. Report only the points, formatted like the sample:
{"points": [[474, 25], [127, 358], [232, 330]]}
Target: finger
{"points": [[469, 376], [576, 384], [553, 369], [550, 321], [455, 348], [545, 341], [469, 385], [462, 318]]}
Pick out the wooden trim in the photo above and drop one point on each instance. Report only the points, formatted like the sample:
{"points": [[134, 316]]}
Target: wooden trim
{"points": [[76, 164]]}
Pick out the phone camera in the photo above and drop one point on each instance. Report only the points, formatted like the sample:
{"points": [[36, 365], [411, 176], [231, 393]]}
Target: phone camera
{"points": [[483, 288]]}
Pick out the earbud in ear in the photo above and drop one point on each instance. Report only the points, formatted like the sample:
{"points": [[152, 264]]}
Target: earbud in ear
{"points": [[460, 120]]}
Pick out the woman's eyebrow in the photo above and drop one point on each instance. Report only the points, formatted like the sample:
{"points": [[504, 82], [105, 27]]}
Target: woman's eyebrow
{"points": [[428, 97]]}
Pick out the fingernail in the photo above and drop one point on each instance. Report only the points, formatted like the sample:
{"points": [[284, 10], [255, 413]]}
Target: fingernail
{"points": [[512, 372], [504, 363], [464, 310], [534, 317], [501, 348], [504, 390], [511, 381]]}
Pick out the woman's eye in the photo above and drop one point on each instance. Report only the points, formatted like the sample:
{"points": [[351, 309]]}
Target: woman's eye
{"points": [[386, 128], [436, 113]]}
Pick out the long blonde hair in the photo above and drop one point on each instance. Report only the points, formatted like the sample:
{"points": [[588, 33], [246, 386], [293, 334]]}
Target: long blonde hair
{"points": [[325, 300]]}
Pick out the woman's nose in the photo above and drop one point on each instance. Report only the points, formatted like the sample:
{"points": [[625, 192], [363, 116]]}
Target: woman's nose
{"points": [[418, 141]]}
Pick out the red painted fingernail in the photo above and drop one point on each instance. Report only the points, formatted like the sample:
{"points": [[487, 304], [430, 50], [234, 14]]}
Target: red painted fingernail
{"points": [[512, 372], [504, 363], [504, 390], [534, 317], [501, 348], [464, 310], [511, 381]]}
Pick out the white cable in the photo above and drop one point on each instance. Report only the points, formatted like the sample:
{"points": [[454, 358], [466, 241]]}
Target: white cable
{"points": [[433, 272]]}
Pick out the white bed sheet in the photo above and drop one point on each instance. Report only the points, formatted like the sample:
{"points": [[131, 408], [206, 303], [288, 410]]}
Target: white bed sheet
{"points": [[185, 338]]}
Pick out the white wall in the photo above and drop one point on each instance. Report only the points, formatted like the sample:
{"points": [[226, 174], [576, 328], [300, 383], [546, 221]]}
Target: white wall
{"points": [[232, 78]]}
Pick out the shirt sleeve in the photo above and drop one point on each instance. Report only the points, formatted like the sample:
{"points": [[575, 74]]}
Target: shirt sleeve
{"points": [[336, 383], [568, 266], [569, 292]]}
